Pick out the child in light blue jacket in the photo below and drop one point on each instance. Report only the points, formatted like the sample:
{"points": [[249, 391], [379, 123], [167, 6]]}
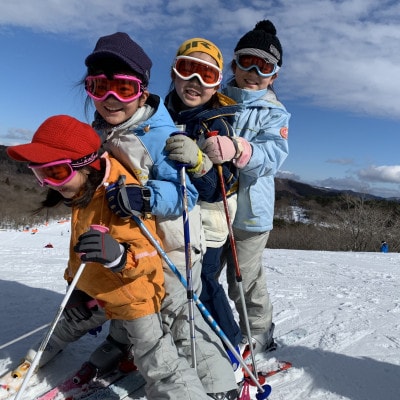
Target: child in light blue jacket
{"points": [[135, 133], [262, 128]]}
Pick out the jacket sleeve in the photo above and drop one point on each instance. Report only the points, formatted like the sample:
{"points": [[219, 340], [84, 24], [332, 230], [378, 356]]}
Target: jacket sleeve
{"points": [[270, 146], [165, 186]]}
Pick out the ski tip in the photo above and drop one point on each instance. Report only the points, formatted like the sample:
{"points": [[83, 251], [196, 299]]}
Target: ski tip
{"points": [[265, 394]]}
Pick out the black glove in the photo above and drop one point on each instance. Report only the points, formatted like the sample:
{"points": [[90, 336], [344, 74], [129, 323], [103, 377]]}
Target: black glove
{"points": [[78, 308], [128, 200], [96, 246]]}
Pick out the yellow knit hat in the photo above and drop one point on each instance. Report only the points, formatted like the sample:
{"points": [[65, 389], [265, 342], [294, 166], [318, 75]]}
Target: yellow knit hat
{"points": [[203, 45]]}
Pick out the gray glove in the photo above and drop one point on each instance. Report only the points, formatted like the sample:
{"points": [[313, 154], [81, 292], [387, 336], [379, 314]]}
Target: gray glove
{"points": [[78, 306], [183, 149], [96, 246], [186, 152]]}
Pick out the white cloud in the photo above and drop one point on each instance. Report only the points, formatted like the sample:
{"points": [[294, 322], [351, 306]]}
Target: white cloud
{"points": [[384, 173], [338, 54], [288, 175]]}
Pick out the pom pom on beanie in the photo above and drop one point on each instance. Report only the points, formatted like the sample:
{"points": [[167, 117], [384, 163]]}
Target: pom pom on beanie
{"points": [[262, 42]]}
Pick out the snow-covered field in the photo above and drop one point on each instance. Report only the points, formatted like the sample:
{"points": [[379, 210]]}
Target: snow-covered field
{"points": [[337, 316]]}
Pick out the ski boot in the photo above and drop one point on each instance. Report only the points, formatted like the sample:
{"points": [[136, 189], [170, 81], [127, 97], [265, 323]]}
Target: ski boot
{"points": [[127, 362], [265, 342], [86, 373], [230, 395], [106, 357]]}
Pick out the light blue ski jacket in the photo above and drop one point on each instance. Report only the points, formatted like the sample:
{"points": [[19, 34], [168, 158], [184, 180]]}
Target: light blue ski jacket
{"points": [[139, 145], [263, 121]]}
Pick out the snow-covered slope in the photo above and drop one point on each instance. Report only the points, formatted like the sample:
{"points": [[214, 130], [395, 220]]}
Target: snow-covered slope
{"points": [[337, 316]]}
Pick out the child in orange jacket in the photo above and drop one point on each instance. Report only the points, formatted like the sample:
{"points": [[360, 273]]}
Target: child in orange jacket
{"points": [[123, 270]]}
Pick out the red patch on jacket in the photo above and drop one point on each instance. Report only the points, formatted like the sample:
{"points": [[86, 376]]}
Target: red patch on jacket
{"points": [[284, 132]]}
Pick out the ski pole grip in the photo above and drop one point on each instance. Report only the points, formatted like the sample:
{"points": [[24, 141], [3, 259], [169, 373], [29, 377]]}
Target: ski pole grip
{"points": [[212, 133], [181, 165], [100, 228]]}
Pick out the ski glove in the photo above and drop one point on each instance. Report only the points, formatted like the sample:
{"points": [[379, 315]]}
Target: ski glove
{"points": [[79, 307], [221, 149], [186, 152], [182, 149], [96, 246], [129, 200]]}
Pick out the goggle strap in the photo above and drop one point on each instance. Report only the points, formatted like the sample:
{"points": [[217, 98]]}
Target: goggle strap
{"points": [[81, 162]]}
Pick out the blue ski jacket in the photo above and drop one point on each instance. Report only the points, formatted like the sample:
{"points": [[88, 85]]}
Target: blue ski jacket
{"points": [[139, 145], [263, 121]]}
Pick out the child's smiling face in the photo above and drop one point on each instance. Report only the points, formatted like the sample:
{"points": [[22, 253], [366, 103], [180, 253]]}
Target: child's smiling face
{"points": [[192, 92]]}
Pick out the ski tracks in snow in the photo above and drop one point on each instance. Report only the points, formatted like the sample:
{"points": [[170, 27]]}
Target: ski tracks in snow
{"points": [[327, 314]]}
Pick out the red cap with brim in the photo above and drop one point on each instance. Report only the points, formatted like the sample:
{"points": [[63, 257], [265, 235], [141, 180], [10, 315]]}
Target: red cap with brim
{"points": [[59, 137]]}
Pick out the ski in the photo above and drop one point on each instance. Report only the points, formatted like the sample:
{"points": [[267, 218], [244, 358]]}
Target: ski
{"points": [[120, 389], [279, 366], [249, 390], [12, 380], [82, 384]]}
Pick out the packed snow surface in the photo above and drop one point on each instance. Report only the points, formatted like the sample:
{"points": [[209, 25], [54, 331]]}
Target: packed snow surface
{"points": [[337, 316]]}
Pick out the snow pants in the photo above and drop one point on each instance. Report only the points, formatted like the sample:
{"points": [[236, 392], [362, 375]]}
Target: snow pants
{"points": [[250, 247], [213, 365], [214, 297], [168, 375]]}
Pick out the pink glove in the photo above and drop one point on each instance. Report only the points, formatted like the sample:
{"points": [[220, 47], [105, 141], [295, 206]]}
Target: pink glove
{"points": [[219, 149]]}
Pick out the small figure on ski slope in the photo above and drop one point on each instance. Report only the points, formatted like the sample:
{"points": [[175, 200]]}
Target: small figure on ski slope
{"points": [[384, 247]]}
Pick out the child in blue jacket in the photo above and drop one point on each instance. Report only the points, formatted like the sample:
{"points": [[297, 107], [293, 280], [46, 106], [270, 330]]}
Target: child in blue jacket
{"points": [[262, 127], [134, 125]]}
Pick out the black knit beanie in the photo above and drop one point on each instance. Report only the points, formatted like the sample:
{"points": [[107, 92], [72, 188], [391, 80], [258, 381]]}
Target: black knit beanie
{"points": [[262, 42]]}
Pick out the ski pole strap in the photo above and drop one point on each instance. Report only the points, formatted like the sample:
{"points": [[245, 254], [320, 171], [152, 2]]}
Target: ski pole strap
{"points": [[146, 195]]}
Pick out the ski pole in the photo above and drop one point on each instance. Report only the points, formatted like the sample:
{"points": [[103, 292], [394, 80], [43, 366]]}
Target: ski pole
{"points": [[188, 259], [199, 304], [232, 242], [188, 254], [46, 339]]}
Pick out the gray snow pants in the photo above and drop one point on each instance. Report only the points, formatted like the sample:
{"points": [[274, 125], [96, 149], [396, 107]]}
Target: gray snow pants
{"points": [[213, 366], [168, 375], [250, 247]]}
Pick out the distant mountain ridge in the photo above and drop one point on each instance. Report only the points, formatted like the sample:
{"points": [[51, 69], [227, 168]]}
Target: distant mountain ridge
{"points": [[288, 187], [21, 194]]}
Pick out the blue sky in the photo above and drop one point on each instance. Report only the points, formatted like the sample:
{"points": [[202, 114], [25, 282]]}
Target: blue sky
{"points": [[340, 78]]}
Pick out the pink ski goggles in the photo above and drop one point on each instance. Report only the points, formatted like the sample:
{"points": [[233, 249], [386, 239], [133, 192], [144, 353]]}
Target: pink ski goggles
{"points": [[58, 173], [125, 88]]}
